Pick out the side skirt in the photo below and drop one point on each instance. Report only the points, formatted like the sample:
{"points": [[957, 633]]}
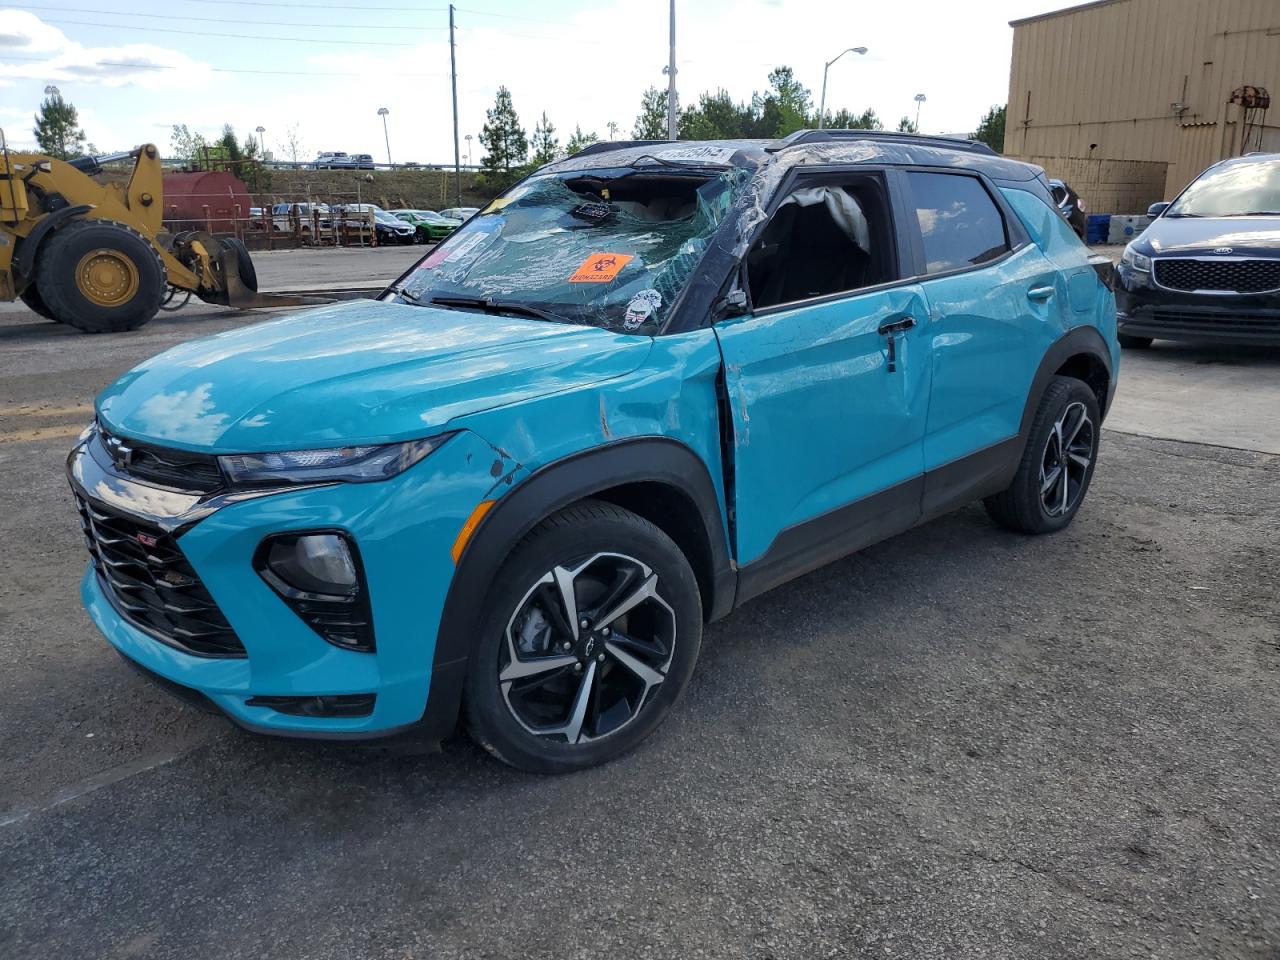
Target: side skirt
{"points": [[806, 546]]}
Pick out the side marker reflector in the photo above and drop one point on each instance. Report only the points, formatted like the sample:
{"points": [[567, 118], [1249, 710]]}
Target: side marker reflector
{"points": [[468, 528]]}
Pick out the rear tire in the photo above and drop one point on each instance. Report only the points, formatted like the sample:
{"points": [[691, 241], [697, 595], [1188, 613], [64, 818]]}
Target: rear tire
{"points": [[547, 694], [1134, 343], [1057, 464], [100, 276]]}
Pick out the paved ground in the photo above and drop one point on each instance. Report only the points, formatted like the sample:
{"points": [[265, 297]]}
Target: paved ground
{"points": [[959, 743]]}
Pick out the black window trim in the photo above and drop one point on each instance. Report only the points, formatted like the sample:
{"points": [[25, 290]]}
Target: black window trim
{"points": [[1016, 236], [826, 174]]}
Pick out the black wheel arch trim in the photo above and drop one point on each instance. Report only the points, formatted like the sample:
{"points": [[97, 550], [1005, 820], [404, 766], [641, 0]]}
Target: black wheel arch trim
{"points": [[1079, 341], [659, 460], [25, 262]]}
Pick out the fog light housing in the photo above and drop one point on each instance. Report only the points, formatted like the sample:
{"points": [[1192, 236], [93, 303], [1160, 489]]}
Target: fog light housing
{"points": [[318, 573]]}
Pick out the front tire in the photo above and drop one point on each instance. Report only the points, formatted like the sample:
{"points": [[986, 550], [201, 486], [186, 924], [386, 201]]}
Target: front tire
{"points": [[31, 297], [1057, 464], [590, 632]]}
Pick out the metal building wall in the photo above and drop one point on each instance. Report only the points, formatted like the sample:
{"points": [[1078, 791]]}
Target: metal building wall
{"points": [[1096, 83]]}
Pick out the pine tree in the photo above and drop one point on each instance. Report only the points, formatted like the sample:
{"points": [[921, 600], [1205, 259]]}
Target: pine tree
{"points": [[651, 122], [789, 102], [991, 129], [504, 140], [57, 128], [907, 125], [546, 147], [579, 140]]}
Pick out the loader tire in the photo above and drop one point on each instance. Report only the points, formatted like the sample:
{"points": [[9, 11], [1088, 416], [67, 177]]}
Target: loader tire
{"points": [[31, 297], [248, 275], [100, 276]]}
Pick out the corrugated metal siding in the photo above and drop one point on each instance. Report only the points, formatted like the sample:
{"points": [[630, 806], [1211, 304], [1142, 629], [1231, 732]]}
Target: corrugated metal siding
{"points": [[1100, 81]]}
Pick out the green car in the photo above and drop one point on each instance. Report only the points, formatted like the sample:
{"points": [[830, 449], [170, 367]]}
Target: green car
{"points": [[429, 226]]}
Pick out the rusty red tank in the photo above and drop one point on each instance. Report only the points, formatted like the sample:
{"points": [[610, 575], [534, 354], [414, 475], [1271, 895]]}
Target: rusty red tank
{"points": [[205, 200]]}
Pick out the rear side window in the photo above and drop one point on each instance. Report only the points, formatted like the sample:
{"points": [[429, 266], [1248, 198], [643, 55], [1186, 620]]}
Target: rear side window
{"points": [[960, 223]]}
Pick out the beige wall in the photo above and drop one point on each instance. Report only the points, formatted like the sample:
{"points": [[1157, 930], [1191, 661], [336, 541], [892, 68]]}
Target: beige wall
{"points": [[1109, 186], [1106, 73]]}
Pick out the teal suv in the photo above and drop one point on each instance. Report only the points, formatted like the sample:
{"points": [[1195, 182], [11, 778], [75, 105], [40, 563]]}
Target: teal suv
{"points": [[649, 383]]}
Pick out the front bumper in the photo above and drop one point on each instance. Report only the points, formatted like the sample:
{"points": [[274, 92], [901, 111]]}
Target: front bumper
{"points": [[405, 528], [1146, 310]]}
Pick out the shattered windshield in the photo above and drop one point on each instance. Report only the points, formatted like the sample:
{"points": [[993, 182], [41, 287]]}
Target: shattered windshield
{"points": [[611, 248]]}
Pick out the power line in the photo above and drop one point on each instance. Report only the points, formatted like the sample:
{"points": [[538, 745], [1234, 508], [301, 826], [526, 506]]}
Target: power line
{"points": [[233, 36], [240, 22], [165, 66]]}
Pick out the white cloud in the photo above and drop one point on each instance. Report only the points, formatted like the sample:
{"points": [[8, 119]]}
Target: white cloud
{"points": [[63, 60]]}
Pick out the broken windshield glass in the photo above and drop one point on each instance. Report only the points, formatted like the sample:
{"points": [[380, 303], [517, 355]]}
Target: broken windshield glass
{"points": [[611, 248]]}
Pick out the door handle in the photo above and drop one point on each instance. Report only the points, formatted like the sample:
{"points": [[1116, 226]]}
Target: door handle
{"points": [[891, 329], [1040, 294], [897, 325]]}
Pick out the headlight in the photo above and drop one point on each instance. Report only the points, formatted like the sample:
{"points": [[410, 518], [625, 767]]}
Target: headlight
{"points": [[1135, 261], [347, 464]]}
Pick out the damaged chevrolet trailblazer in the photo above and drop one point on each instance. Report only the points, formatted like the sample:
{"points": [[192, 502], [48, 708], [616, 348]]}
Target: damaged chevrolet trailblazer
{"points": [[650, 382]]}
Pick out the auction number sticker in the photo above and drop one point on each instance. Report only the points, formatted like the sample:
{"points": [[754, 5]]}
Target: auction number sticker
{"points": [[601, 267]]}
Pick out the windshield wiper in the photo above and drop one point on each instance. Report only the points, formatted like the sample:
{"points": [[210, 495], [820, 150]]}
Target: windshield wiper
{"points": [[404, 294], [499, 306]]}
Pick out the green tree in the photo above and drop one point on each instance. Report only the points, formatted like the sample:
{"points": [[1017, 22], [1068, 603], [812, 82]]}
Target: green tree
{"points": [[546, 146], [848, 120], [57, 128], [651, 121], [907, 125], [991, 129], [505, 142], [187, 146], [787, 105], [716, 117], [579, 140]]}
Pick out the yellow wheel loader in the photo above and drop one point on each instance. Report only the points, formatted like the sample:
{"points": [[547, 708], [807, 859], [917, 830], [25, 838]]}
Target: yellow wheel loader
{"points": [[96, 256]]}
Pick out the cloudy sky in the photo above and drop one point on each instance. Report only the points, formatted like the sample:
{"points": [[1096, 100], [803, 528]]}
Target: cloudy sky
{"points": [[326, 67]]}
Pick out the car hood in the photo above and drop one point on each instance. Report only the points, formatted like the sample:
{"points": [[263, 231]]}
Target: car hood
{"points": [[354, 373], [1184, 236]]}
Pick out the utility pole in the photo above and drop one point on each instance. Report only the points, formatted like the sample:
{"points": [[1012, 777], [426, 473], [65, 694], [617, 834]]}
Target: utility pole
{"points": [[457, 150], [673, 110]]}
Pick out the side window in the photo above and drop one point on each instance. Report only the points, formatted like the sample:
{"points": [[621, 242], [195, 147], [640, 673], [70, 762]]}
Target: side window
{"points": [[960, 223], [825, 237]]}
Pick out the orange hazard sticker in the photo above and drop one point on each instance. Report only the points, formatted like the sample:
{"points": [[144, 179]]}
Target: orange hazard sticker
{"points": [[601, 267]]}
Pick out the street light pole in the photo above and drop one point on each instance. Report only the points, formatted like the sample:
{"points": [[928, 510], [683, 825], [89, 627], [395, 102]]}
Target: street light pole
{"points": [[382, 112], [468, 139], [822, 104], [672, 106], [920, 99]]}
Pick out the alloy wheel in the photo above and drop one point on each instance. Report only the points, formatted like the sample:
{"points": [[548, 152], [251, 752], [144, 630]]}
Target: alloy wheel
{"points": [[1064, 466], [586, 648]]}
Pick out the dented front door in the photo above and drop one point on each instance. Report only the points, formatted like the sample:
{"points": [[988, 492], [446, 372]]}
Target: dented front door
{"points": [[820, 421]]}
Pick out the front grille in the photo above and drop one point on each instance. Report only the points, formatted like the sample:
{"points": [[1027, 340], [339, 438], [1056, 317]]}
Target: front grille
{"points": [[1192, 322], [151, 584], [190, 472], [1227, 276]]}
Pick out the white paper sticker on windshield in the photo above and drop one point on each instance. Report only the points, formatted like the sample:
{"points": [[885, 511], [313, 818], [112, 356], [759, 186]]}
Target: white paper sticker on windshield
{"points": [[702, 154]]}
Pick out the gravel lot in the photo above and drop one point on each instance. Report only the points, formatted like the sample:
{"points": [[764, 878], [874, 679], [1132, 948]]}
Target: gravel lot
{"points": [[959, 743]]}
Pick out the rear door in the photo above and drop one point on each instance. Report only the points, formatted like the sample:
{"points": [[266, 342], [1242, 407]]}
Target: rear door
{"points": [[994, 308]]}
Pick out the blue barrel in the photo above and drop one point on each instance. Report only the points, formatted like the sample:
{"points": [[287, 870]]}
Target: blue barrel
{"points": [[1099, 227]]}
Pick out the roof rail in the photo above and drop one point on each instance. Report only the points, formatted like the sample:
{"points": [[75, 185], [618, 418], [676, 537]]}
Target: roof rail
{"points": [[884, 136], [601, 145]]}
